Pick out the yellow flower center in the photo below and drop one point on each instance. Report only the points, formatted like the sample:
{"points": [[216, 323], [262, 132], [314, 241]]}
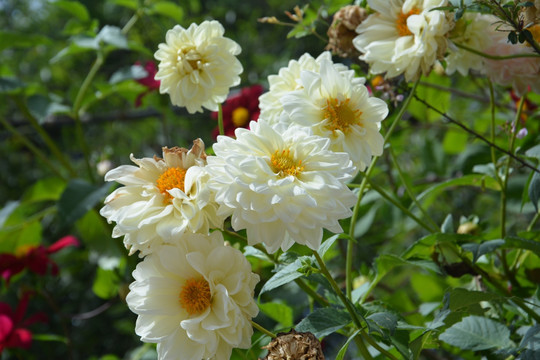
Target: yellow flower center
{"points": [[535, 32], [401, 22], [240, 116], [340, 115], [195, 296], [171, 179], [188, 60], [284, 164]]}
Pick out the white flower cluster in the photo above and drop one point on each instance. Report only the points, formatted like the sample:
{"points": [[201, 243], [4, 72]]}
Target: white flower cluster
{"points": [[409, 37], [283, 180]]}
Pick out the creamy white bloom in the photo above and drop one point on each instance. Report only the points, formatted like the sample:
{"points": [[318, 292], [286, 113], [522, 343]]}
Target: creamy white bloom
{"points": [[336, 108], [287, 80], [472, 31], [198, 65], [194, 299], [403, 37], [281, 186], [161, 199], [522, 74]]}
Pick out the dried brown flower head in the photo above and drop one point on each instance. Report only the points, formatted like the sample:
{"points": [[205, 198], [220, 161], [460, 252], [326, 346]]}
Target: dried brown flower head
{"points": [[343, 30], [294, 346]]}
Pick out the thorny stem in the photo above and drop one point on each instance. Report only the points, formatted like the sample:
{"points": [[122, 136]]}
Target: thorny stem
{"points": [[46, 138], [495, 57], [472, 132], [362, 188], [24, 140], [408, 189]]}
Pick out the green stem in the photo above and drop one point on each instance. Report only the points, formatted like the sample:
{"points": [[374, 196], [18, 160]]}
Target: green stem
{"points": [[44, 135], [379, 348], [362, 188], [37, 152], [362, 348], [533, 221], [310, 292], [492, 108], [495, 57], [262, 329], [220, 120], [408, 189], [382, 192]]}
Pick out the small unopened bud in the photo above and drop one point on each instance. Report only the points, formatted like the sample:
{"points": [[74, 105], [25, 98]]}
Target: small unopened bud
{"points": [[268, 20], [467, 228], [294, 345]]}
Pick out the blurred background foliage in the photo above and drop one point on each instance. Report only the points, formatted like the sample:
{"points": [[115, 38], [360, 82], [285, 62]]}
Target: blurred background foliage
{"points": [[48, 48]]}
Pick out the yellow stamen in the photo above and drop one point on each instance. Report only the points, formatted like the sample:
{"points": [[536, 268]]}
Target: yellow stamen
{"points": [[240, 116], [401, 22], [284, 164], [171, 179], [195, 296], [340, 115]]}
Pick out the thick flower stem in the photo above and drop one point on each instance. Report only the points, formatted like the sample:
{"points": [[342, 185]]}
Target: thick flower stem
{"points": [[262, 329], [495, 57], [362, 188], [220, 120]]}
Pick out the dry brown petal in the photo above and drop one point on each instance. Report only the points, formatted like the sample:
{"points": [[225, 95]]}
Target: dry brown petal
{"points": [[294, 346], [343, 30]]}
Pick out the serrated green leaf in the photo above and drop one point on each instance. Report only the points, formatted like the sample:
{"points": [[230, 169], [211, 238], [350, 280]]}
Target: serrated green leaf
{"points": [[284, 275], [534, 190], [484, 248], [327, 244], [75, 8], [382, 320], [280, 312], [531, 339], [169, 9], [514, 242], [477, 333], [343, 350], [106, 283], [78, 198], [325, 321], [460, 298]]}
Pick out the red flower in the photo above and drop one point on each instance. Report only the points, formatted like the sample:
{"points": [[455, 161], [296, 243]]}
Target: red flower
{"points": [[34, 258], [149, 81], [239, 110], [13, 332]]}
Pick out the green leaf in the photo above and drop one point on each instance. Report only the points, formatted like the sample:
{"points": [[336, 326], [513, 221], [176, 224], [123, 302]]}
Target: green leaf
{"points": [[27, 233], [484, 248], [514, 242], [7, 210], [284, 275], [113, 35], [382, 321], [48, 189], [130, 4], [9, 39], [106, 283], [481, 181], [169, 9], [419, 343], [49, 337], [128, 73], [533, 152], [256, 253], [96, 235], [448, 225], [325, 321], [477, 333], [78, 198], [534, 190], [75, 8], [326, 245], [531, 339], [460, 298], [281, 313], [343, 350], [10, 85], [424, 247], [41, 107]]}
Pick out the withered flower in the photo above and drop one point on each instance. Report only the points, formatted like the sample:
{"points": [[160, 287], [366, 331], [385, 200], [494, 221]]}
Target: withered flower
{"points": [[342, 31], [294, 345]]}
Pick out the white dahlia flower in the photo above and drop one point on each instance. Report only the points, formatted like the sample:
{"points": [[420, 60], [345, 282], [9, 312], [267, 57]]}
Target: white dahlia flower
{"points": [[161, 199], [194, 299], [472, 31], [287, 80], [403, 37], [198, 66], [340, 110], [282, 187]]}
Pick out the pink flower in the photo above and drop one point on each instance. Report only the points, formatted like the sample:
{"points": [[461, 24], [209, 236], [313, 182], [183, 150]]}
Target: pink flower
{"points": [[34, 258], [149, 81], [239, 110], [13, 332]]}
